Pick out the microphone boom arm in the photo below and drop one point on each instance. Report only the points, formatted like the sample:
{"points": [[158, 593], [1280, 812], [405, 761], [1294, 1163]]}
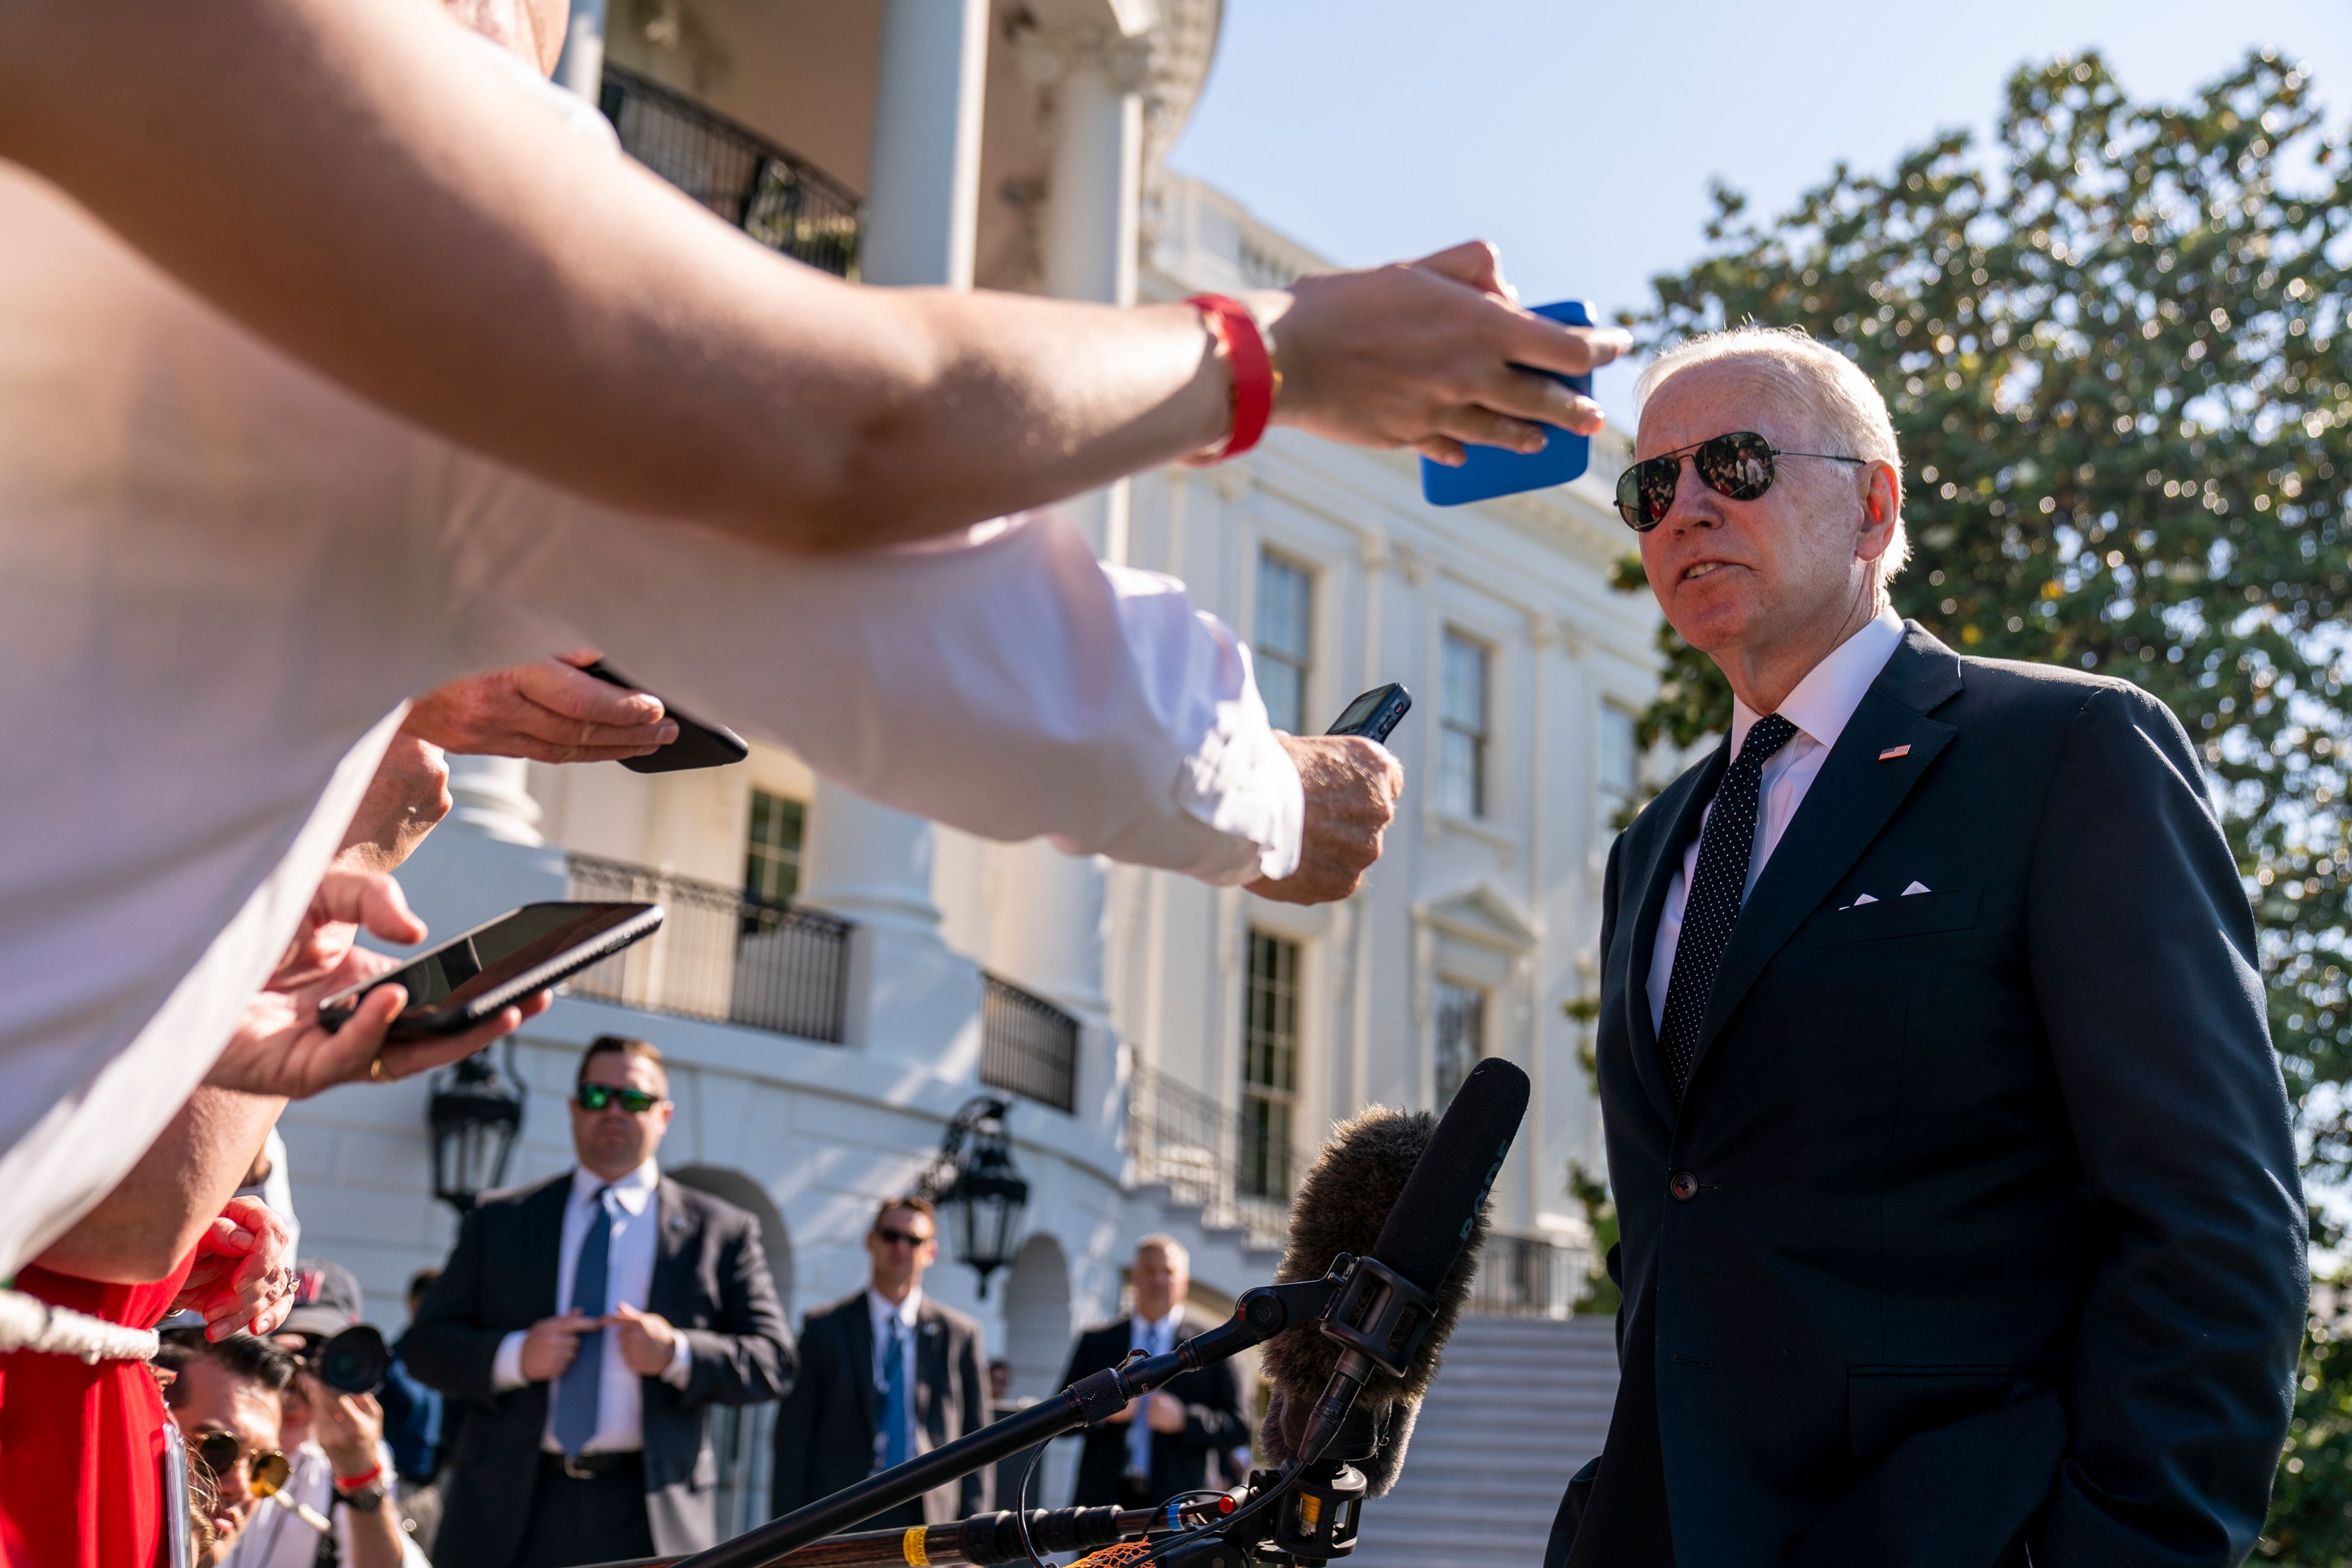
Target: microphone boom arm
{"points": [[1258, 1316]]}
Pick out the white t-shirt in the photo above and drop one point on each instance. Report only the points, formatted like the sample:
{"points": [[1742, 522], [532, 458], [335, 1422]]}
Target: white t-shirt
{"points": [[221, 577]]}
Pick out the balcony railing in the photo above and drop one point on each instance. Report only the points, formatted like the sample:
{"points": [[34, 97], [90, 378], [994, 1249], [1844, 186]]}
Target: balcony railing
{"points": [[1527, 1277], [1207, 1153], [784, 202], [1028, 1045], [719, 956]]}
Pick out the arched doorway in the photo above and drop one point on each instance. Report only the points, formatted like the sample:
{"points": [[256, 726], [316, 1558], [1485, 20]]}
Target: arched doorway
{"points": [[743, 1436]]}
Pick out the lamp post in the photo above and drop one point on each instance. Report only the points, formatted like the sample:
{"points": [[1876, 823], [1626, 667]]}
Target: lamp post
{"points": [[978, 1191], [475, 1114]]}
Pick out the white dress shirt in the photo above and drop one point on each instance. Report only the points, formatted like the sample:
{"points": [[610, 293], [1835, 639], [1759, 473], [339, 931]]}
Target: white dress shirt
{"points": [[628, 1278], [221, 577], [1152, 1336], [1819, 707]]}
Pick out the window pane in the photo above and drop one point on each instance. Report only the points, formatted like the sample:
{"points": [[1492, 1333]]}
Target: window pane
{"points": [[1457, 773], [772, 858], [1285, 598], [1464, 696], [1269, 1065], [1461, 1036]]}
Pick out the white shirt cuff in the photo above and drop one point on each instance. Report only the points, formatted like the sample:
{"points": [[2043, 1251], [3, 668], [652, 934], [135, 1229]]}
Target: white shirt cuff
{"points": [[681, 1362], [506, 1367]]}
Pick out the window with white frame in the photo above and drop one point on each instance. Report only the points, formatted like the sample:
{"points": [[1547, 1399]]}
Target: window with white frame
{"points": [[771, 854], [1285, 598], [1621, 766], [1269, 1065], [1461, 1036], [1462, 716]]}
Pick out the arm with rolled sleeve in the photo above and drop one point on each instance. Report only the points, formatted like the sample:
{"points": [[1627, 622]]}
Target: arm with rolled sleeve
{"points": [[2144, 962], [1002, 680]]}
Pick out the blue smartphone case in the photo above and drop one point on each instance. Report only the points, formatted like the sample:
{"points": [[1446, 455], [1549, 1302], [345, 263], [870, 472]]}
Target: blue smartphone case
{"points": [[1500, 471]]}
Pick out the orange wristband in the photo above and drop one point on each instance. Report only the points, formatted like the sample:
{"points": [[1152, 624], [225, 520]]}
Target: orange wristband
{"points": [[1244, 348]]}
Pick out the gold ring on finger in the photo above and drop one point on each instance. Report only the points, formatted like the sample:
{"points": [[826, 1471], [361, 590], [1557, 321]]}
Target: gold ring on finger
{"points": [[376, 1071]]}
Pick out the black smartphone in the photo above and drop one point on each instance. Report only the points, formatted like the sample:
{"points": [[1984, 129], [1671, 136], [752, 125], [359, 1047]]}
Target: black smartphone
{"points": [[1375, 713], [698, 745], [456, 985]]}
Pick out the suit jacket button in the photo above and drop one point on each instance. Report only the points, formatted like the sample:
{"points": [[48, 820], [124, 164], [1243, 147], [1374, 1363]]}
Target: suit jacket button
{"points": [[1684, 1185]]}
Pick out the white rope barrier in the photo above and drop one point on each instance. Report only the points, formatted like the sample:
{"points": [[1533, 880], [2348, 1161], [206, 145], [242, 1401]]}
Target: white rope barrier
{"points": [[29, 1324]]}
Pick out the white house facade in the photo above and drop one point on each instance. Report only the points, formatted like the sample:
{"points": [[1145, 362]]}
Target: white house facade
{"points": [[834, 979]]}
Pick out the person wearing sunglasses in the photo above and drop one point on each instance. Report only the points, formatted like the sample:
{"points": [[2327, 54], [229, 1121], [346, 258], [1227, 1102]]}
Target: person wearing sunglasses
{"points": [[1959, 1215], [588, 1323], [887, 1373], [223, 1394]]}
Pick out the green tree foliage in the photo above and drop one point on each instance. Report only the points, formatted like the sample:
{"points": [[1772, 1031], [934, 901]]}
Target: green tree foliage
{"points": [[2117, 349]]}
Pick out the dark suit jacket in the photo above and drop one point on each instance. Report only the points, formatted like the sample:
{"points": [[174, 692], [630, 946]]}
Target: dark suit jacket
{"points": [[711, 1281], [825, 1433], [1992, 1231], [1180, 1461]]}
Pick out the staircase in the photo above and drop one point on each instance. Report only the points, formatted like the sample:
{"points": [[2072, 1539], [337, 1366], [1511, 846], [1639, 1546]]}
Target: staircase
{"points": [[1519, 1405]]}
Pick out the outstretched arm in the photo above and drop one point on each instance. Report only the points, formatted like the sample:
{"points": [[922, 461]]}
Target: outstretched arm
{"points": [[363, 184]]}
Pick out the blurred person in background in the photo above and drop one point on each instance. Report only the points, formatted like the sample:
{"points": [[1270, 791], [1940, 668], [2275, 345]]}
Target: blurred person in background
{"points": [[339, 1467], [436, 454], [414, 1426], [885, 1374], [1160, 1444], [224, 1396], [586, 1324]]}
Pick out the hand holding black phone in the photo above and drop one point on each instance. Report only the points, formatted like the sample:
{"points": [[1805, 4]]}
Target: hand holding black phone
{"points": [[1375, 713], [698, 745], [473, 977]]}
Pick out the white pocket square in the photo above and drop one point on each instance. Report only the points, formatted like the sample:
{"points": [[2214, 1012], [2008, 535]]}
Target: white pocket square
{"points": [[1915, 887], [1861, 899]]}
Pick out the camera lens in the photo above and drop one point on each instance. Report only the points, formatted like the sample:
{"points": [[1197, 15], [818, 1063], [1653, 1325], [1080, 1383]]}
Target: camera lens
{"points": [[354, 1361]]}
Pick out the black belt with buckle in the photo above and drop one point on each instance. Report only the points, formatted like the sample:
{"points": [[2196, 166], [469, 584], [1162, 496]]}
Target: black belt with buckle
{"points": [[592, 1466]]}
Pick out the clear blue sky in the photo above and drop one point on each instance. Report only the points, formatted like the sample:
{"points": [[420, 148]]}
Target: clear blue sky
{"points": [[1581, 138]]}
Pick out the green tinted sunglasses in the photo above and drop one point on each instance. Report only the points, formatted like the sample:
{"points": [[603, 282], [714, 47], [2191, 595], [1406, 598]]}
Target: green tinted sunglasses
{"points": [[597, 1096]]}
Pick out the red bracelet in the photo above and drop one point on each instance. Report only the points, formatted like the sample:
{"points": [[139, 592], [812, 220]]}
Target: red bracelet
{"points": [[357, 1483], [1255, 378]]}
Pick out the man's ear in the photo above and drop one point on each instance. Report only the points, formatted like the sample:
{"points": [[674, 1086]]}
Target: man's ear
{"points": [[1881, 508]]}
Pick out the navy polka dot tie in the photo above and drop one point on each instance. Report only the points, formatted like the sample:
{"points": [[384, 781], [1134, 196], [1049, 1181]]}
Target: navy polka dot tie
{"points": [[1712, 907]]}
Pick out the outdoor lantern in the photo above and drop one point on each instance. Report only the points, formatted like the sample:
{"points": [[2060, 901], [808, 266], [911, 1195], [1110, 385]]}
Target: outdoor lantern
{"points": [[979, 1190], [475, 1115]]}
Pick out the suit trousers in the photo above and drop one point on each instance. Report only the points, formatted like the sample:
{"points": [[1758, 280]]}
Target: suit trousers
{"points": [[600, 1519]]}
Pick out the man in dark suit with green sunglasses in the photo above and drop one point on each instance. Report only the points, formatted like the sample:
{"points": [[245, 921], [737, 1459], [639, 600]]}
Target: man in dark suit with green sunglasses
{"points": [[588, 1323], [1960, 1211]]}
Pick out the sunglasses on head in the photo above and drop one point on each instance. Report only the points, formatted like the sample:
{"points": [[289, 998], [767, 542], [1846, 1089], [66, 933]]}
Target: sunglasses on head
{"points": [[1738, 466], [265, 1470], [900, 1238], [597, 1096]]}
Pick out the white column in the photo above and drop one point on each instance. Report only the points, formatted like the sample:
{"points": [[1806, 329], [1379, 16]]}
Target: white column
{"points": [[909, 996], [582, 68], [491, 795], [1049, 929], [487, 857], [922, 199]]}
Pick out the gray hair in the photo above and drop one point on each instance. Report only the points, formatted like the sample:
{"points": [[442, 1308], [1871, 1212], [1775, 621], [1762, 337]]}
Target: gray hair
{"points": [[1178, 1257], [1838, 403]]}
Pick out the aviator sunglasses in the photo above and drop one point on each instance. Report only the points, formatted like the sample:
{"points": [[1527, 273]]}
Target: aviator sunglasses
{"points": [[597, 1096], [1738, 466], [266, 1469]]}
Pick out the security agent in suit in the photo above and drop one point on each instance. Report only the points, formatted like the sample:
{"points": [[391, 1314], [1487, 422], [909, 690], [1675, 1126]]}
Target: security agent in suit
{"points": [[885, 1374], [1960, 1211], [586, 1323], [1160, 1445]]}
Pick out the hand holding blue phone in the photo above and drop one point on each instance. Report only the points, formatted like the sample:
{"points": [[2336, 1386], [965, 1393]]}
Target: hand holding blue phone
{"points": [[1491, 471]]}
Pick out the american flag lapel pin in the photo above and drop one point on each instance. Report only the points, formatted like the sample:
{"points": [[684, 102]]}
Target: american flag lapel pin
{"points": [[1892, 752]]}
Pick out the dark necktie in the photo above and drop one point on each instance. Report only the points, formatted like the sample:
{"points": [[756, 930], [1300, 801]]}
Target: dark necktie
{"points": [[576, 1391], [1712, 906]]}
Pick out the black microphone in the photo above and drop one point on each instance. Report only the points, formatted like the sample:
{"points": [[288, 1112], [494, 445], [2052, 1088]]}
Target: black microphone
{"points": [[1406, 1195]]}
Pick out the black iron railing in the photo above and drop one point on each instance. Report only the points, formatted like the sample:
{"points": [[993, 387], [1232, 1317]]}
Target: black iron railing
{"points": [[1527, 1277], [719, 955], [784, 202], [1206, 1152], [1028, 1045]]}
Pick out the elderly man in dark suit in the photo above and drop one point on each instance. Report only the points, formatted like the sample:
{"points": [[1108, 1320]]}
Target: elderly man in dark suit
{"points": [[1960, 1217], [1160, 1445], [885, 1374], [587, 1323]]}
